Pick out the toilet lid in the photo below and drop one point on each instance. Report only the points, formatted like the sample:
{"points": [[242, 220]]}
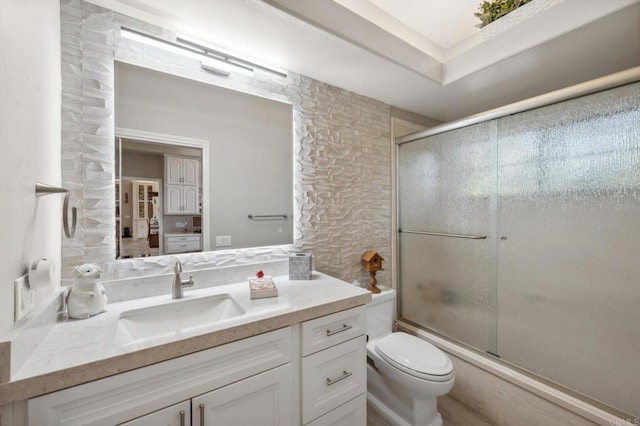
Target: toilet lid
{"points": [[415, 356]]}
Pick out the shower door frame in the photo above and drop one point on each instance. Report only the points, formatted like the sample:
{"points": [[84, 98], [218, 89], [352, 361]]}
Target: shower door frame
{"points": [[553, 391]]}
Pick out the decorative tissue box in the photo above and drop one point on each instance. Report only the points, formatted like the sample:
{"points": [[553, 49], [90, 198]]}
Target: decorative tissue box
{"points": [[262, 287], [300, 266]]}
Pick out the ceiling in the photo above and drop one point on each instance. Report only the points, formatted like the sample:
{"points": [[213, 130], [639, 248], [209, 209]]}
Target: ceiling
{"points": [[425, 56], [446, 23]]}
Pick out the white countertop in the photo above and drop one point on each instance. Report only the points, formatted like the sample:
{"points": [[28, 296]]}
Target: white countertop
{"points": [[78, 351]]}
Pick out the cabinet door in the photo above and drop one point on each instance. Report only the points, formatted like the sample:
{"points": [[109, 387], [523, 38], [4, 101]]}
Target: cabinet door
{"points": [[173, 170], [264, 399], [190, 199], [173, 204], [190, 171], [353, 413], [175, 415]]}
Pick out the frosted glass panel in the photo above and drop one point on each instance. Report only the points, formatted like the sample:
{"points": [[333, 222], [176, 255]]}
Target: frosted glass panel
{"points": [[447, 185], [569, 270], [555, 288]]}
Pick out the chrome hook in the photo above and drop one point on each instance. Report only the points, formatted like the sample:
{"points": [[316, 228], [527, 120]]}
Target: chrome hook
{"points": [[44, 189]]}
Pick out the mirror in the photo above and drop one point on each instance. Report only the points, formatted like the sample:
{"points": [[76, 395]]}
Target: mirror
{"points": [[200, 167]]}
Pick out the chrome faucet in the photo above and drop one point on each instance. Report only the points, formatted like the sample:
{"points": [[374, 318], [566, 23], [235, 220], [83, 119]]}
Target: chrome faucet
{"points": [[179, 283]]}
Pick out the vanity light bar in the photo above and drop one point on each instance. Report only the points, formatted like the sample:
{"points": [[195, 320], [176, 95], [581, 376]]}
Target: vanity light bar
{"points": [[220, 55], [211, 60], [209, 63]]}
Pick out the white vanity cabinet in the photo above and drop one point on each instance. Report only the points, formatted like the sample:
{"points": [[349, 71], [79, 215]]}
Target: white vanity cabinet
{"points": [[313, 373], [243, 376], [334, 374]]}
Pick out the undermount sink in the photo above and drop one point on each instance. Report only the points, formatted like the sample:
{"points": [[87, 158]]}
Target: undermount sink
{"points": [[181, 318]]}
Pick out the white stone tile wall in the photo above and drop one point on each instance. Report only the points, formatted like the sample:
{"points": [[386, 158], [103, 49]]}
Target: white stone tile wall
{"points": [[342, 153]]}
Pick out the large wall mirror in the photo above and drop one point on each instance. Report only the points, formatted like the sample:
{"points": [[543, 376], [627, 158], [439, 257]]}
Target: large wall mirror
{"points": [[198, 167]]}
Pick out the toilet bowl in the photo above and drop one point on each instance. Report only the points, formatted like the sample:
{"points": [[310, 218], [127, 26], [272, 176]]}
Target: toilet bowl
{"points": [[405, 374]]}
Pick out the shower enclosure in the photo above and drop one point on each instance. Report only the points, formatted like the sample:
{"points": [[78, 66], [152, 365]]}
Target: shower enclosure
{"points": [[520, 236]]}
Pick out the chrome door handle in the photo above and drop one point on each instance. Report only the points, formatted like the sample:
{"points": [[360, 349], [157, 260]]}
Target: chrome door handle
{"points": [[345, 374], [182, 418], [345, 327], [201, 414]]}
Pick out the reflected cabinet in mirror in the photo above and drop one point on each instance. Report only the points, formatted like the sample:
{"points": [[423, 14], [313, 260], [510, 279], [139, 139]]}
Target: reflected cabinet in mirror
{"points": [[198, 167]]}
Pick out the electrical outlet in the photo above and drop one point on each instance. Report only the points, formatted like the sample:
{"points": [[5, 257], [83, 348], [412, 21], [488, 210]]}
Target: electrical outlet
{"points": [[223, 240], [24, 297]]}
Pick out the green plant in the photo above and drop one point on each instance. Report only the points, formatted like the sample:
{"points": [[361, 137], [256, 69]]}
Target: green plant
{"points": [[492, 10]]}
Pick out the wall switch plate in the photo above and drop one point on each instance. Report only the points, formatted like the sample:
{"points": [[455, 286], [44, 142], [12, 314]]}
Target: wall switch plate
{"points": [[223, 240], [24, 297]]}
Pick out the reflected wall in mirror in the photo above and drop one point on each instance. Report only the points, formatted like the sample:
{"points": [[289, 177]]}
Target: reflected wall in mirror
{"points": [[248, 171]]}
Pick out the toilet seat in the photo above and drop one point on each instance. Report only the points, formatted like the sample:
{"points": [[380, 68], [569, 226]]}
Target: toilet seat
{"points": [[415, 356]]}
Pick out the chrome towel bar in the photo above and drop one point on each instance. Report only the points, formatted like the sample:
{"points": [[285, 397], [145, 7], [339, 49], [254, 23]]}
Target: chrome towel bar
{"points": [[268, 216], [44, 189], [441, 234]]}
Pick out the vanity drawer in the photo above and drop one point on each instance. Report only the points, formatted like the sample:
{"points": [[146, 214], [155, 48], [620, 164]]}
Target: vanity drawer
{"points": [[333, 377], [330, 330]]}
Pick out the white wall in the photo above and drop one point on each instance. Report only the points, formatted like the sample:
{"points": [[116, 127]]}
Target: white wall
{"points": [[30, 136]]}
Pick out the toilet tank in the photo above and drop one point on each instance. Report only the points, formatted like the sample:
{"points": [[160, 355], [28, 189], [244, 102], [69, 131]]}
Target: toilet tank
{"points": [[381, 313]]}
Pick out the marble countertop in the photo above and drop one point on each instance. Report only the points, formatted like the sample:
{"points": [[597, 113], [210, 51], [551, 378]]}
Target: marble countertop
{"points": [[180, 234], [79, 351]]}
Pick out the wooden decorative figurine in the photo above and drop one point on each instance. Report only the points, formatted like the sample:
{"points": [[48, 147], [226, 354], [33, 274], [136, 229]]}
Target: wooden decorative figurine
{"points": [[372, 262]]}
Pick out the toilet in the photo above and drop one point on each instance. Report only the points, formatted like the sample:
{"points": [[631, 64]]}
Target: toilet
{"points": [[405, 374]]}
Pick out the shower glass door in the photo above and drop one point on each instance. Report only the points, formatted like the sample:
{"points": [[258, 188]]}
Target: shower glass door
{"points": [[555, 287], [569, 268], [447, 185]]}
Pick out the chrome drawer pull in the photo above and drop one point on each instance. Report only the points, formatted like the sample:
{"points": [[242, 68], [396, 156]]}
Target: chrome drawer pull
{"points": [[345, 327], [345, 374], [182, 418], [201, 414]]}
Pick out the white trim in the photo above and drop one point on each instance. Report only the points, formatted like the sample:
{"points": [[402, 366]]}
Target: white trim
{"points": [[203, 144]]}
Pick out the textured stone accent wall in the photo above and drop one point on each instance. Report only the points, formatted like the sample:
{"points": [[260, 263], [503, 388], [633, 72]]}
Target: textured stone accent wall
{"points": [[342, 150], [87, 131]]}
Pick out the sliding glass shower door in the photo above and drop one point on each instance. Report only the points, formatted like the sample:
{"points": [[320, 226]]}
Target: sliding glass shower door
{"points": [[447, 184], [555, 286]]}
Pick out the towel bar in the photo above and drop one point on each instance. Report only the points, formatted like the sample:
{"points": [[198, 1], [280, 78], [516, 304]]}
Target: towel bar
{"points": [[268, 216], [440, 234]]}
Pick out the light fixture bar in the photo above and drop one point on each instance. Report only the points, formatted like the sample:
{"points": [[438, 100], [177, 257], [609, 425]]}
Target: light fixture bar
{"points": [[236, 61], [211, 59]]}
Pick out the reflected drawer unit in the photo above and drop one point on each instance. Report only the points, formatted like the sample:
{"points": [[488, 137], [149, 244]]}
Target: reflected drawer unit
{"points": [[182, 243]]}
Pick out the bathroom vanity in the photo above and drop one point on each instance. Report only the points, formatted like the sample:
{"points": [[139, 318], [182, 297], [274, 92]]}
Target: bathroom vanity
{"points": [[296, 359]]}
